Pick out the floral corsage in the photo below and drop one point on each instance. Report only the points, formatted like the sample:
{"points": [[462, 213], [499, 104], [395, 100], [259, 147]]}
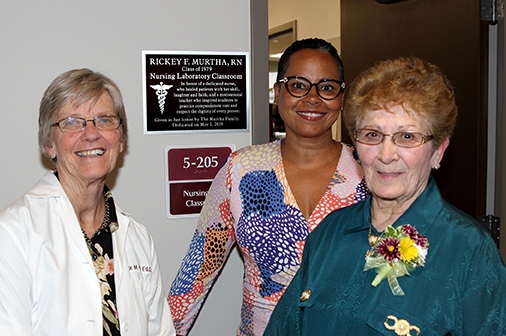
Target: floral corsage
{"points": [[396, 252]]}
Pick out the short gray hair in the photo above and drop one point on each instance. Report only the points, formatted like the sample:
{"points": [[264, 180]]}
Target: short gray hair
{"points": [[76, 87]]}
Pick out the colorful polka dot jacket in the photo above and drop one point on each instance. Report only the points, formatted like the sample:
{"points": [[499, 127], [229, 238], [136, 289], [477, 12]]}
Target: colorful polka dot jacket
{"points": [[250, 203]]}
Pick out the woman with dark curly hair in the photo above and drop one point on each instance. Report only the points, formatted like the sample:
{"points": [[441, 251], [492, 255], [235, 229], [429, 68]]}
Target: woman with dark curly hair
{"points": [[267, 198]]}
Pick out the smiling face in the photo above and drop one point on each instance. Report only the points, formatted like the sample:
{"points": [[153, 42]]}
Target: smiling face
{"points": [[88, 155], [394, 173], [311, 115]]}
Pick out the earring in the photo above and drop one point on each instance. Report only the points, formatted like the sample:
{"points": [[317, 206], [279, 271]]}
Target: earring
{"points": [[436, 166]]}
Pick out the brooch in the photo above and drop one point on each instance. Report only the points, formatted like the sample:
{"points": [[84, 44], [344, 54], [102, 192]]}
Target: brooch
{"points": [[401, 327]]}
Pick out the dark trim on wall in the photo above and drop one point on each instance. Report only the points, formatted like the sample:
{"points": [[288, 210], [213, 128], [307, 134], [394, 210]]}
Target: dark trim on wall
{"points": [[389, 1], [259, 58]]}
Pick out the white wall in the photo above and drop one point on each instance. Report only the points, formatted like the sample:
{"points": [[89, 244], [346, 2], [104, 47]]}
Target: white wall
{"points": [[41, 39], [316, 18]]}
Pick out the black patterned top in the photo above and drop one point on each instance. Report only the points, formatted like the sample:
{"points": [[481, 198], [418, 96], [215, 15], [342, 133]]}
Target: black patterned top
{"points": [[100, 246]]}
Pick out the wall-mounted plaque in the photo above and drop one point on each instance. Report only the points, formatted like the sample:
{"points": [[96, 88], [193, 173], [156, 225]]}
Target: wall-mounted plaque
{"points": [[195, 91], [189, 172]]}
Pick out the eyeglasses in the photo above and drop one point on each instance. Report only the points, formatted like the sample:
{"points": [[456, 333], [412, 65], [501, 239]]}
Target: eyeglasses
{"points": [[299, 87], [402, 139], [77, 124]]}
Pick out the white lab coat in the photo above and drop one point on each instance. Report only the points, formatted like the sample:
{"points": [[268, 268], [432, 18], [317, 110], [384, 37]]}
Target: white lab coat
{"points": [[48, 285]]}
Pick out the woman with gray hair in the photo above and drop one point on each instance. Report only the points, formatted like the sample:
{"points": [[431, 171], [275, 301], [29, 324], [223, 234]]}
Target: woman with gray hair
{"points": [[72, 262]]}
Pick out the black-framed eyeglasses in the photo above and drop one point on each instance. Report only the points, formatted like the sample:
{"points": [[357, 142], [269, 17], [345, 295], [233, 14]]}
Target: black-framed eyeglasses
{"points": [[299, 87], [77, 124], [402, 139]]}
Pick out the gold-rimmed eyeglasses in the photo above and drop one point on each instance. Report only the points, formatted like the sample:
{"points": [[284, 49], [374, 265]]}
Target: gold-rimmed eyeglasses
{"points": [[402, 139], [77, 124]]}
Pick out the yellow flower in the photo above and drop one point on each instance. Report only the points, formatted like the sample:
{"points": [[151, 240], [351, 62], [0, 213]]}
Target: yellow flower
{"points": [[408, 249]]}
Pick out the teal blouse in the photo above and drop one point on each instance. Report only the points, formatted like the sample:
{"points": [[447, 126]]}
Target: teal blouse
{"points": [[460, 291]]}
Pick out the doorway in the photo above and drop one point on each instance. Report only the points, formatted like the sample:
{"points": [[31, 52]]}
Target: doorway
{"points": [[280, 38]]}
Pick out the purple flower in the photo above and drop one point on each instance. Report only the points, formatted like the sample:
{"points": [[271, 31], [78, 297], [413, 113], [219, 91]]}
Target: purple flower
{"points": [[389, 248], [415, 236], [409, 230]]}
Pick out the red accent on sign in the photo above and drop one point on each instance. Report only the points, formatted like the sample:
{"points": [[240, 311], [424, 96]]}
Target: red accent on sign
{"points": [[196, 163], [187, 198]]}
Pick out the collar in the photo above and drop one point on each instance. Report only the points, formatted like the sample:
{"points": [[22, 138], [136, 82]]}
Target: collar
{"points": [[47, 186], [421, 214]]}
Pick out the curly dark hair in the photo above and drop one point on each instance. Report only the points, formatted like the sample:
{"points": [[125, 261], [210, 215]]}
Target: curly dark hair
{"points": [[310, 43]]}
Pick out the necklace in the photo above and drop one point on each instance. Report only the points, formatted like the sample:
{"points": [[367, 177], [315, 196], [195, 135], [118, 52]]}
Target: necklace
{"points": [[372, 238]]}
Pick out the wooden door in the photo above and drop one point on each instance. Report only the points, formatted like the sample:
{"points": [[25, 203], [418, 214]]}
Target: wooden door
{"points": [[450, 34]]}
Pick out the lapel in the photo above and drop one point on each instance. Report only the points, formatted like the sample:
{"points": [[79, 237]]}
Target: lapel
{"points": [[119, 242], [360, 218], [49, 187], [424, 210], [421, 214]]}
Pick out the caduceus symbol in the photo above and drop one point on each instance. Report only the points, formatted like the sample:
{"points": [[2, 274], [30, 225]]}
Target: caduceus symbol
{"points": [[161, 92]]}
